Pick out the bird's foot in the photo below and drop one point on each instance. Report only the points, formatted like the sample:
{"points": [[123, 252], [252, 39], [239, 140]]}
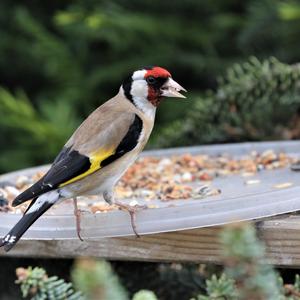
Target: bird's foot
{"points": [[132, 210], [77, 214]]}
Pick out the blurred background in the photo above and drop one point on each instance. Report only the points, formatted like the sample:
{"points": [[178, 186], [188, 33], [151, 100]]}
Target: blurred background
{"points": [[59, 60]]}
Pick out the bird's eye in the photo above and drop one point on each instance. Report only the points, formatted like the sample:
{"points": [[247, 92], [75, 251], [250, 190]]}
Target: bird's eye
{"points": [[151, 80]]}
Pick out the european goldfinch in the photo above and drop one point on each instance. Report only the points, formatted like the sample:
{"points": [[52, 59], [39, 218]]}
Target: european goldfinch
{"points": [[101, 149]]}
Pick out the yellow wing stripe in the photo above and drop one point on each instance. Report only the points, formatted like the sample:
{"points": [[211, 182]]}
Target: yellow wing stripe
{"points": [[95, 159]]}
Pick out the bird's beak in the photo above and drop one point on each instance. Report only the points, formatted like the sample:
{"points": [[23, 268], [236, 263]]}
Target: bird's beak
{"points": [[171, 89]]}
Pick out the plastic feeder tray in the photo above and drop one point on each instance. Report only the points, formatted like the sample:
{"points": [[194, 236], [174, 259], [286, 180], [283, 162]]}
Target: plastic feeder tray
{"points": [[235, 203]]}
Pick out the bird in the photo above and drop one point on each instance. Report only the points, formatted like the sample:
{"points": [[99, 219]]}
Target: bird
{"points": [[100, 150]]}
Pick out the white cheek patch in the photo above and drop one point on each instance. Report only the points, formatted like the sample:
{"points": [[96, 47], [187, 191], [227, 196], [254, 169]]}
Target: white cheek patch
{"points": [[139, 92], [139, 74], [139, 88]]}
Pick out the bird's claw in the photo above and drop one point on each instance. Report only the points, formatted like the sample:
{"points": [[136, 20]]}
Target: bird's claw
{"points": [[132, 210]]}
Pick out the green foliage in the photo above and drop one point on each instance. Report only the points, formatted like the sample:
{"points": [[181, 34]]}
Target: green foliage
{"points": [[144, 295], [69, 57], [271, 29], [168, 281], [297, 283], [246, 276], [97, 281], [219, 288], [241, 244], [255, 100], [245, 263], [42, 132], [38, 286]]}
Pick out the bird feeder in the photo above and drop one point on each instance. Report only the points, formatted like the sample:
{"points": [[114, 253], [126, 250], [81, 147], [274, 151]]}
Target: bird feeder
{"points": [[219, 184]]}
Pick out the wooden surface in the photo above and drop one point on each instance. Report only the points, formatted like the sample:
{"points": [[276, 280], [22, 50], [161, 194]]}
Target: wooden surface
{"points": [[281, 235]]}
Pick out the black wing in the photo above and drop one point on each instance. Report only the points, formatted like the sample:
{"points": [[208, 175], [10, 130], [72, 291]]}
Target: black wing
{"points": [[68, 164]]}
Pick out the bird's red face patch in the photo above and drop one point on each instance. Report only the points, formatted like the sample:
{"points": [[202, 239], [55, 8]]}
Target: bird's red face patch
{"points": [[155, 78]]}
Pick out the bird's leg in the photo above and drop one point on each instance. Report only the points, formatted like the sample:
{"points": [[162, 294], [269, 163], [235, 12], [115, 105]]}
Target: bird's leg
{"points": [[109, 198], [132, 210], [77, 216]]}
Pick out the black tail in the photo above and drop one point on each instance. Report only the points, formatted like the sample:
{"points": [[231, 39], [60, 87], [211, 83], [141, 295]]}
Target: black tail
{"points": [[20, 228]]}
